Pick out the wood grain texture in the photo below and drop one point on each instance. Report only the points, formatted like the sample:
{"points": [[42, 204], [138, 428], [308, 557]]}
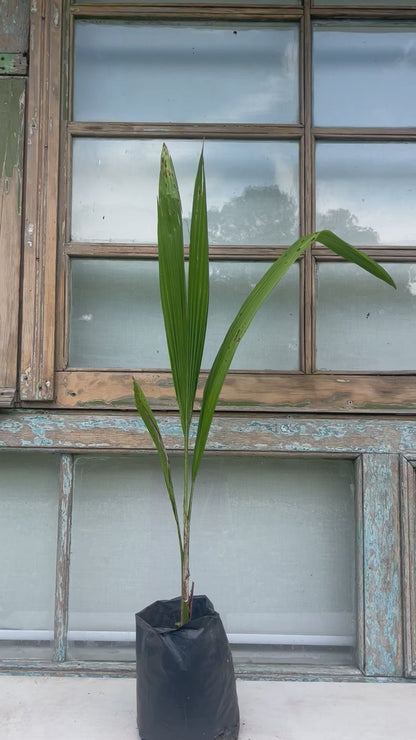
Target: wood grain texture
{"points": [[263, 434], [382, 566], [41, 194], [63, 555], [176, 11], [318, 393], [12, 102]]}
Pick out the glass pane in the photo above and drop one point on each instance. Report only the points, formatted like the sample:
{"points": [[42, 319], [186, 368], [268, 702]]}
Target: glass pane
{"points": [[29, 485], [116, 320], [277, 559], [362, 324], [364, 74], [365, 192], [186, 72], [253, 189]]}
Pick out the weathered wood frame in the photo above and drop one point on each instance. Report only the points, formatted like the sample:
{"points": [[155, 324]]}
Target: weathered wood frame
{"points": [[46, 377], [41, 202], [13, 70], [408, 523], [384, 449], [381, 556]]}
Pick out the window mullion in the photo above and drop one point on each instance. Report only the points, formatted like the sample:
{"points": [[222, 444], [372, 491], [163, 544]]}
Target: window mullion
{"points": [[308, 195], [40, 239], [63, 558]]}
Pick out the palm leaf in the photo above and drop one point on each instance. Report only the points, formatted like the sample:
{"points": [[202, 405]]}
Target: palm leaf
{"points": [[172, 278], [198, 284], [152, 426], [247, 312]]}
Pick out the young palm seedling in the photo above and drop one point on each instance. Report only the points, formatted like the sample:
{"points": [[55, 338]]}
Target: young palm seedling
{"points": [[184, 301]]}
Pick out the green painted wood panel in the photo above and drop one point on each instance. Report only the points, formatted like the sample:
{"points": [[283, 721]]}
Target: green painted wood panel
{"points": [[12, 101]]}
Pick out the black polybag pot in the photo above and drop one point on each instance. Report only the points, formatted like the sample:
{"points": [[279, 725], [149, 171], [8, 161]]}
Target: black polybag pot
{"points": [[185, 675]]}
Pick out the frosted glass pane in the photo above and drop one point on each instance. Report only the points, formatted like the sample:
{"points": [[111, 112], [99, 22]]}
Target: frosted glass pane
{"points": [[29, 486], [362, 324], [366, 191], [252, 189], [116, 320], [364, 74], [186, 72], [273, 547]]}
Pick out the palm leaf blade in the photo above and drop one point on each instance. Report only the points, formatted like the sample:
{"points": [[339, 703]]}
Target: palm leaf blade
{"points": [[349, 253], [152, 426], [247, 312], [198, 283], [172, 277]]}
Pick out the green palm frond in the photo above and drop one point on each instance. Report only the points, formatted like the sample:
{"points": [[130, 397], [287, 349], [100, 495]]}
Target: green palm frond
{"points": [[249, 309]]}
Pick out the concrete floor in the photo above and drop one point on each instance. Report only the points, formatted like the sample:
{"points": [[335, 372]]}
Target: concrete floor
{"points": [[104, 709]]}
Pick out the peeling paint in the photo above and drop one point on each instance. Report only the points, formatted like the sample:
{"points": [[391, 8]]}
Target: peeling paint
{"points": [[120, 430]]}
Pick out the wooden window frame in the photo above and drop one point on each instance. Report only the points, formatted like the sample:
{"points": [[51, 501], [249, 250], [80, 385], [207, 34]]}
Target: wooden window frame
{"points": [[384, 618], [13, 72], [45, 377]]}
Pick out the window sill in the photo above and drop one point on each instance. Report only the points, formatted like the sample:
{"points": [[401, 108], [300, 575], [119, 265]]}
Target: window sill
{"points": [[74, 708]]}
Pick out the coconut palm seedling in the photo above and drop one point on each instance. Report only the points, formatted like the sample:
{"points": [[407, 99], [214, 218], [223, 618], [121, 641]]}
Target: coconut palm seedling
{"points": [[184, 301]]}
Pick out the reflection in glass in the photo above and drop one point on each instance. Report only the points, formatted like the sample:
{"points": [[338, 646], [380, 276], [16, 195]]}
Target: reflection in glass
{"points": [[366, 191], [277, 559], [364, 74], [29, 483], [255, 183], [202, 72], [361, 323], [116, 320]]}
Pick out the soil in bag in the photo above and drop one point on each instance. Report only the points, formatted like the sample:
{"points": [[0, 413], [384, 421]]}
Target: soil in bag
{"points": [[185, 675]]}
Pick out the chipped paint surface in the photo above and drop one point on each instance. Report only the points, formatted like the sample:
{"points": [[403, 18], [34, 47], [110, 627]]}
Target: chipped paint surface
{"points": [[78, 430], [380, 610], [63, 558], [382, 566]]}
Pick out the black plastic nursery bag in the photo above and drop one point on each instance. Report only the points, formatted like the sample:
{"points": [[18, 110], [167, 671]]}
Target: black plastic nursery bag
{"points": [[185, 675]]}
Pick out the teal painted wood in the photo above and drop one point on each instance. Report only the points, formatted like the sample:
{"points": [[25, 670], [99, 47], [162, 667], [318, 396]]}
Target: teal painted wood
{"points": [[13, 64], [382, 567], [374, 443], [63, 555], [263, 434], [359, 565], [408, 522]]}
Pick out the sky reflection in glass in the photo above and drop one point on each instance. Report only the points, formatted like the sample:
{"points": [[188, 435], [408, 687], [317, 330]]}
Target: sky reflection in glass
{"points": [[374, 184], [364, 74], [252, 186], [186, 72]]}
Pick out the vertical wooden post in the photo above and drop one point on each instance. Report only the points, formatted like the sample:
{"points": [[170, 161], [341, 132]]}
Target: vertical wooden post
{"points": [[12, 101], [14, 22], [41, 201], [63, 558], [383, 628]]}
